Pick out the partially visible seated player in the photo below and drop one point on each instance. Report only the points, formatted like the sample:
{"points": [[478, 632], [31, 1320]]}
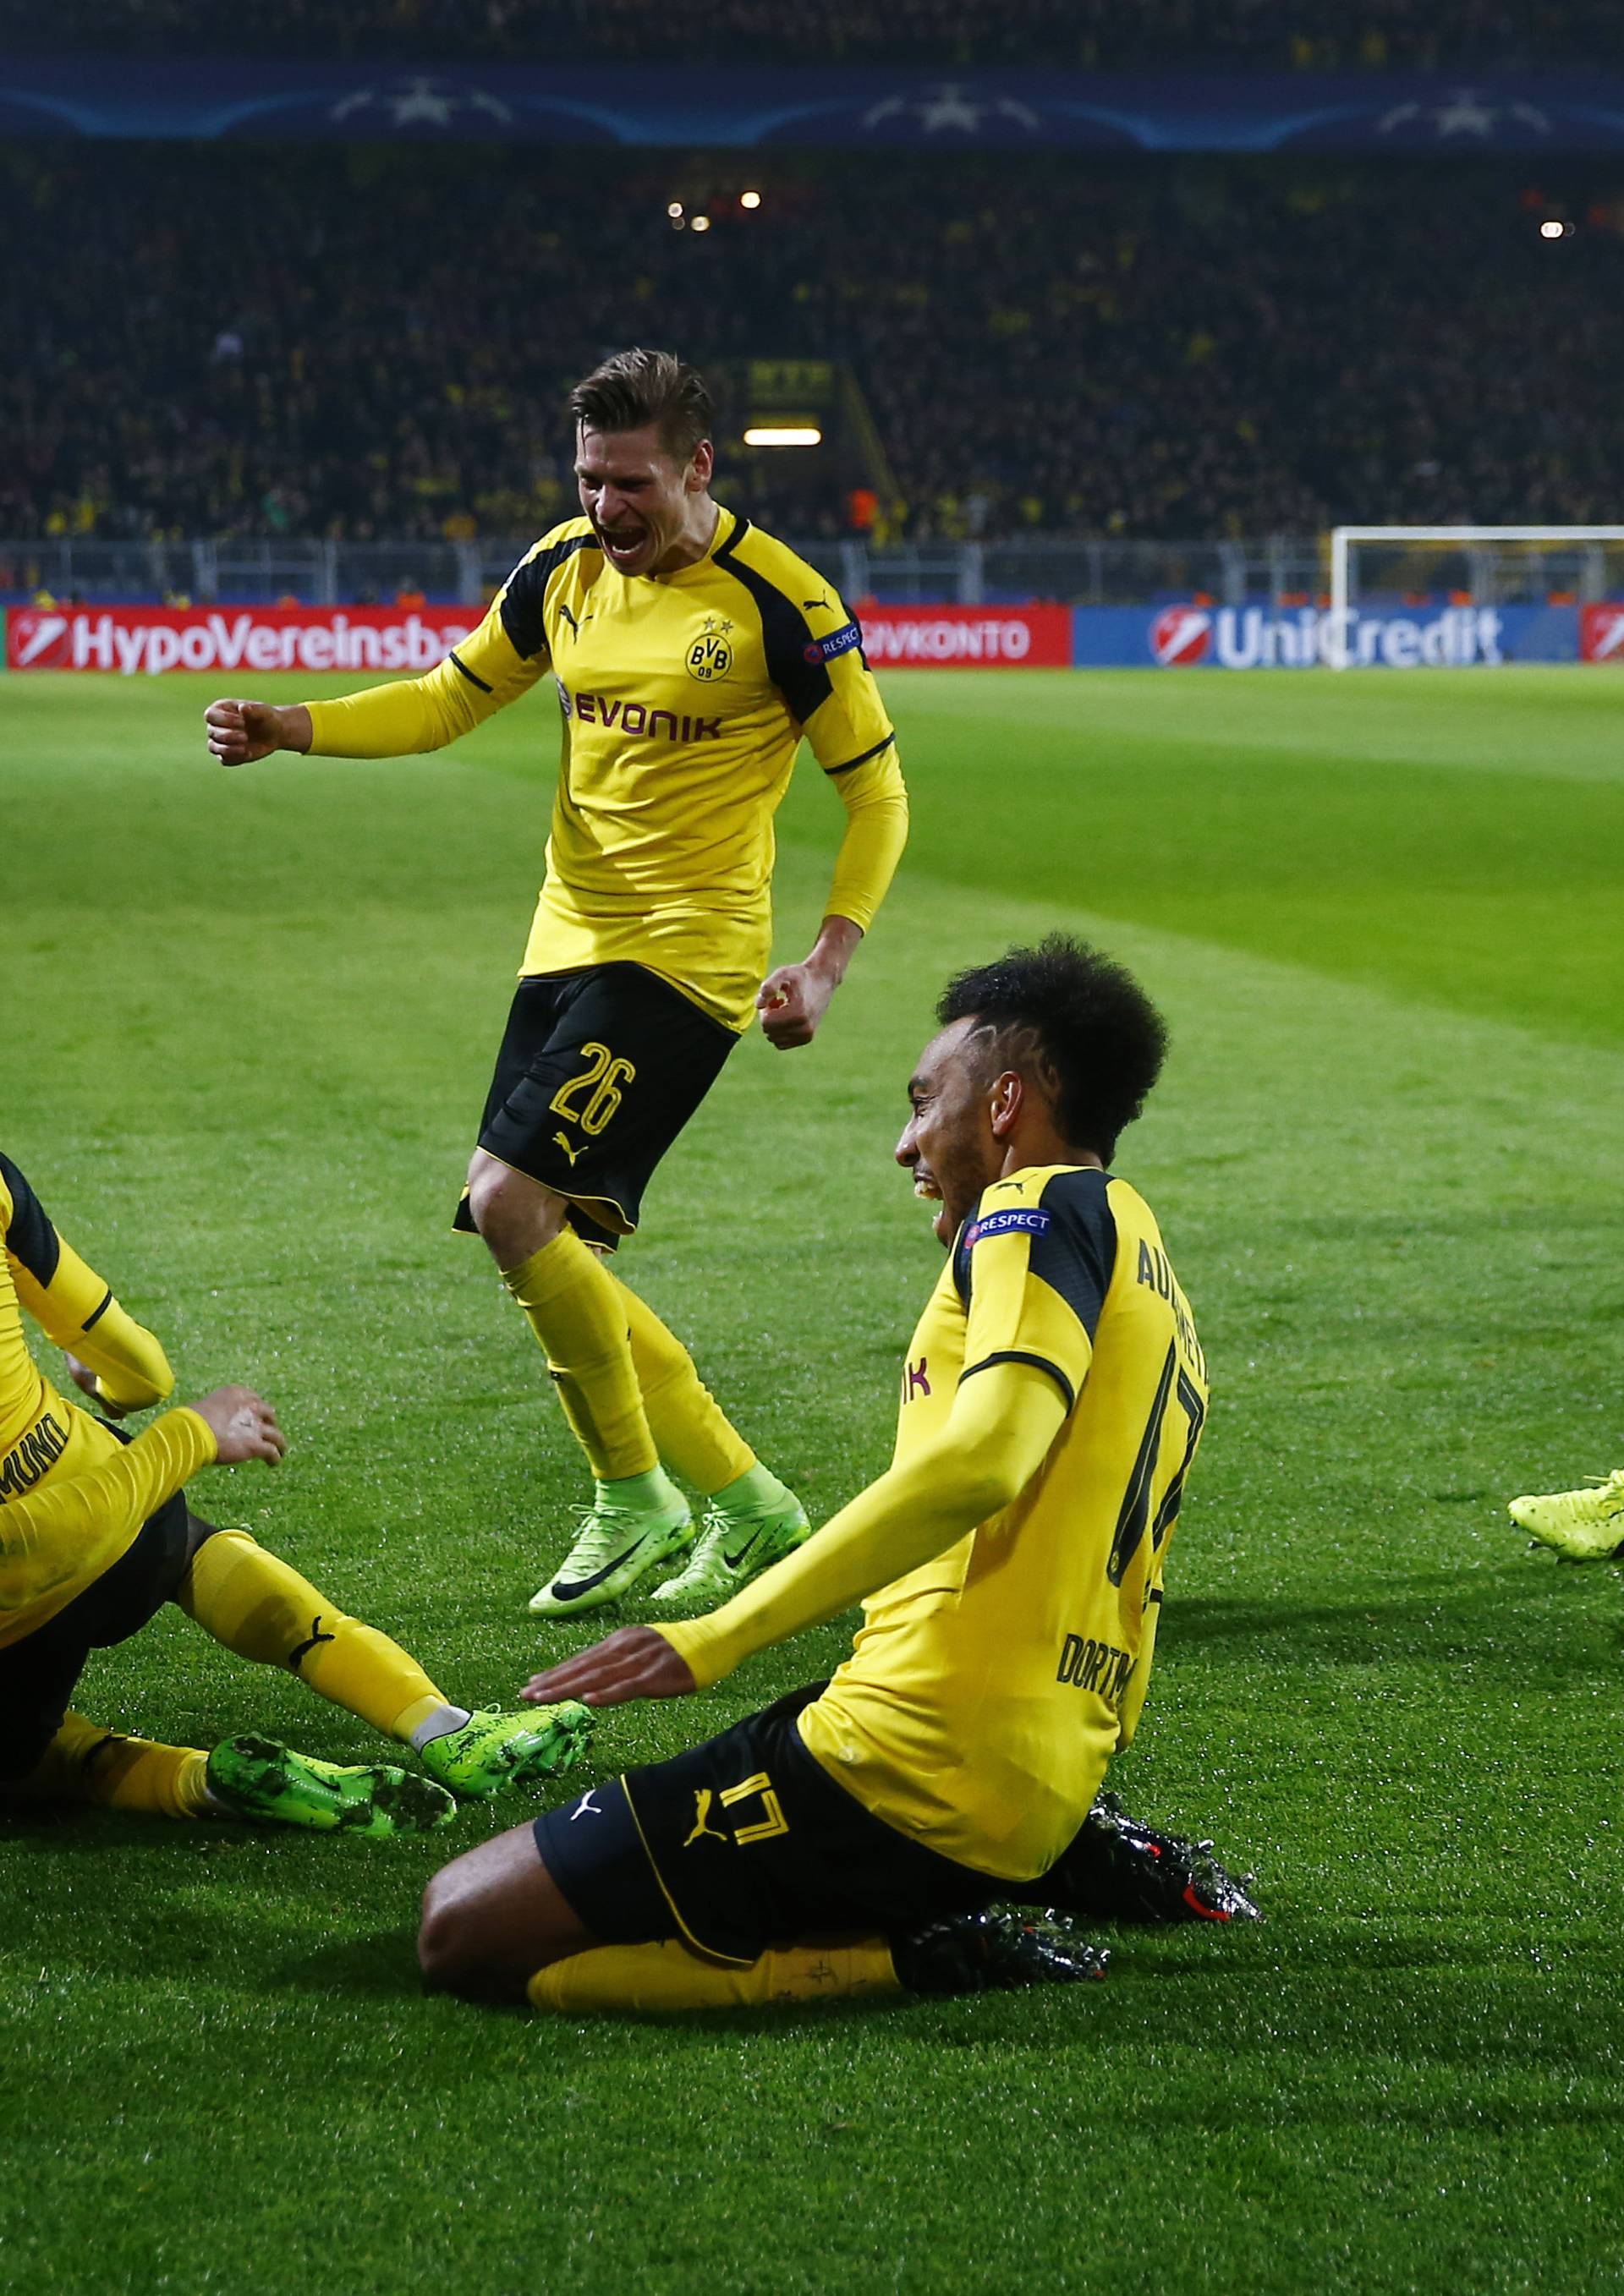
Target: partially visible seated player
{"points": [[855, 1836], [96, 1534]]}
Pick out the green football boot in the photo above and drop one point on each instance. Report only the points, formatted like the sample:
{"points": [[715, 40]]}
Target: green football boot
{"points": [[493, 1750], [734, 1547], [1585, 1526], [614, 1548], [255, 1778]]}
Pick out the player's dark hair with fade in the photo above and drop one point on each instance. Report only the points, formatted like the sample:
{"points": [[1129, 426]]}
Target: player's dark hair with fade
{"points": [[1075, 1019], [637, 387]]}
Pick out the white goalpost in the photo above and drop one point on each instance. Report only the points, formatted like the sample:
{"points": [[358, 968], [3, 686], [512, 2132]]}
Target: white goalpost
{"points": [[1339, 652]]}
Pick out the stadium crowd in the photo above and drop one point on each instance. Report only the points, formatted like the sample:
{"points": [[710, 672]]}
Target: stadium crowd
{"points": [[1154, 33], [378, 342]]}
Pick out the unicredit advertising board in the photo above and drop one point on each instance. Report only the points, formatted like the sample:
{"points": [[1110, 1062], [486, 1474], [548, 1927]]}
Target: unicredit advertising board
{"points": [[1193, 636], [146, 639]]}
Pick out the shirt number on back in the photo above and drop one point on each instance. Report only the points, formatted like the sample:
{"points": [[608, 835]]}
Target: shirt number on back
{"points": [[1135, 1516]]}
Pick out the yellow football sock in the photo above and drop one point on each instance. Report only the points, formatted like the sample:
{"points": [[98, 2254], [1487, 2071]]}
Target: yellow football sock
{"points": [[671, 1976], [83, 1763], [572, 1304], [691, 1431], [260, 1607]]}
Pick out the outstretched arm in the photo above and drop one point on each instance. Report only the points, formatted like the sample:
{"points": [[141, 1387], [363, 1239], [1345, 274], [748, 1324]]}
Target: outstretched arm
{"points": [[476, 678], [1002, 1421]]}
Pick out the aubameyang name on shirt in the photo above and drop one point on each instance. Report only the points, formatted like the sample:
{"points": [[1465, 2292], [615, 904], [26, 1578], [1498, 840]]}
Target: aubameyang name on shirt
{"points": [[635, 718], [27, 1461], [1157, 1276]]}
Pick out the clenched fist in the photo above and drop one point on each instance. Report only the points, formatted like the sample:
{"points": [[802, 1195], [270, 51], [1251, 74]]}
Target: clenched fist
{"points": [[240, 733]]}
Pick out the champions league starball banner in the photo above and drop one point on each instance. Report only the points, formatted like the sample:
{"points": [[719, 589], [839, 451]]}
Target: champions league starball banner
{"points": [[1535, 114]]}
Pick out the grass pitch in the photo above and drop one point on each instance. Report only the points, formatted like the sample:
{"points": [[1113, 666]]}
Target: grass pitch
{"points": [[248, 1023]]}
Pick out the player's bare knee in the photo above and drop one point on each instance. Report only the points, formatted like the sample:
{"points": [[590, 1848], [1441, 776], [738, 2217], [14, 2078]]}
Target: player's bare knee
{"points": [[514, 1215], [446, 1951]]}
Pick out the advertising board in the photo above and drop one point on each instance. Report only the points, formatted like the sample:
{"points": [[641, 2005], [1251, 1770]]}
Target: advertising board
{"points": [[967, 638], [1193, 635], [145, 640], [1601, 633], [1188, 635]]}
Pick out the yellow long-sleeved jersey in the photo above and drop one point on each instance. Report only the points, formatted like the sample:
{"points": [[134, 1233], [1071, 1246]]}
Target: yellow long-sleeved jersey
{"points": [[1012, 1556], [685, 697], [52, 1544]]}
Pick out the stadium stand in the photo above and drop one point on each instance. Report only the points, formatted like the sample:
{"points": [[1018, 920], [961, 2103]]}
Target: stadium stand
{"points": [[212, 341], [1274, 34]]}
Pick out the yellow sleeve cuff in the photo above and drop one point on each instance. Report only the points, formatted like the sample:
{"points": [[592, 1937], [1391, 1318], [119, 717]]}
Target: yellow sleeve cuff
{"points": [[705, 1652]]}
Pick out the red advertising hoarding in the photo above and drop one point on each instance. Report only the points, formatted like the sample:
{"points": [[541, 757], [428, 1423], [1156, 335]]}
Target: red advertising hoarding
{"points": [[967, 638], [257, 640], [143, 640]]}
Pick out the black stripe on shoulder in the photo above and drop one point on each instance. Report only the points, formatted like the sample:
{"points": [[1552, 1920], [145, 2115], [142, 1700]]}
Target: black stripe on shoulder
{"points": [[29, 1236], [526, 590], [92, 1320], [961, 1265], [1077, 1252], [1038, 1363], [458, 663], [850, 762], [786, 633]]}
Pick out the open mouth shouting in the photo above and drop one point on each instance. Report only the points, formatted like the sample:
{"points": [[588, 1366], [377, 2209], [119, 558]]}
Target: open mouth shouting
{"points": [[926, 1189], [626, 544]]}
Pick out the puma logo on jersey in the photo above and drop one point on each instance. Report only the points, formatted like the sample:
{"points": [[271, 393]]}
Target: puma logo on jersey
{"points": [[703, 1796], [574, 1155], [587, 1806]]}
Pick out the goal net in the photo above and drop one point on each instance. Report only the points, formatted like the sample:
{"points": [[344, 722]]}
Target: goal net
{"points": [[1464, 576]]}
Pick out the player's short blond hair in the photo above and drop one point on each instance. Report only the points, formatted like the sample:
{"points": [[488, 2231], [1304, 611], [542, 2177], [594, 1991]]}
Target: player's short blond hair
{"points": [[637, 387]]}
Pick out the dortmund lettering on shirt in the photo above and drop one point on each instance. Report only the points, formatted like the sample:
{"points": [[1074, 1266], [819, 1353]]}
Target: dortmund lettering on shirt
{"points": [[986, 1691], [685, 697]]}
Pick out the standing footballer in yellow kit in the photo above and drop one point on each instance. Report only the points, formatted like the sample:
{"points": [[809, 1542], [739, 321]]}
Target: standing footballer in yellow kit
{"points": [[691, 652]]}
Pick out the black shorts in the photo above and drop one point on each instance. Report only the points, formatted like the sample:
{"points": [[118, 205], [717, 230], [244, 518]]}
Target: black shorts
{"points": [[598, 1072], [743, 1843], [37, 1674]]}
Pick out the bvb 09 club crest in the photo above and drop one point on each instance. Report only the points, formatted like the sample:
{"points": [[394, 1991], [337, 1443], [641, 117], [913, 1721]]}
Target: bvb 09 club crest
{"points": [[710, 655]]}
